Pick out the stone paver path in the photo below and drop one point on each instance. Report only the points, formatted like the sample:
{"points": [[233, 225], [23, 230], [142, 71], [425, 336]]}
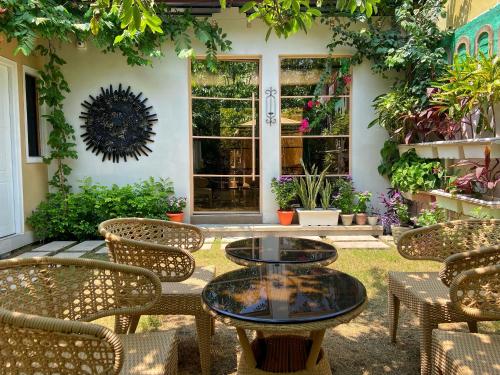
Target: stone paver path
{"points": [[69, 255], [54, 246], [357, 242], [86, 246]]}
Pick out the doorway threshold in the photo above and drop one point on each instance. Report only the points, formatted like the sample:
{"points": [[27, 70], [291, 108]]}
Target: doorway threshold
{"points": [[225, 219]]}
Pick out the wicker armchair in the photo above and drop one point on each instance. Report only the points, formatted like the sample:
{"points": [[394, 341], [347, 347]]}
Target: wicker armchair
{"points": [[165, 248], [424, 293], [476, 294], [46, 305]]}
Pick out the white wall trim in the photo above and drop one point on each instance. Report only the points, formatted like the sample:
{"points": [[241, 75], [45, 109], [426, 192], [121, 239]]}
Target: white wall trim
{"points": [[15, 241], [41, 122], [15, 127]]}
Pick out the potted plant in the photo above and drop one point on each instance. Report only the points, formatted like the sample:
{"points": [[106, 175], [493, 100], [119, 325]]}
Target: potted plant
{"points": [[308, 189], [396, 218], [403, 223], [361, 207], [284, 193], [175, 208], [345, 200], [430, 216], [373, 216]]}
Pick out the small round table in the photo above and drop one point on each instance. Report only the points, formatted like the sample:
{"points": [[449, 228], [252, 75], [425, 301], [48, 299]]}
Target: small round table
{"points": [[284, 301], [284, 250]]}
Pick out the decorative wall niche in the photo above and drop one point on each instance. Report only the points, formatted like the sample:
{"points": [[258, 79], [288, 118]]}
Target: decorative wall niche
{"points": [[118, 124]]}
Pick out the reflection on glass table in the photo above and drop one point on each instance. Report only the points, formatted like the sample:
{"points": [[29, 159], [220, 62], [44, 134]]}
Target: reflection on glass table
{"points": [[288, 250]]}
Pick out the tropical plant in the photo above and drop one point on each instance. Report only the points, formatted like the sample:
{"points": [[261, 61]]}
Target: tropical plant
{"points": [[482, 177], [390, 155], [175, 205], [362, 201], [430, 216], [284, 191], [76, 215], [480, 213], [396, 210], [308, 186], [470, 90], [326, 195], [345, 197], [402, 213], [412, 173]]}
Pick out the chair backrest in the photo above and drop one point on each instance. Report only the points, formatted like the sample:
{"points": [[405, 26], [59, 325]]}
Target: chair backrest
{"points": [[45, 302], [437, 242], [476, 293], [160, 246], [455, 264]]}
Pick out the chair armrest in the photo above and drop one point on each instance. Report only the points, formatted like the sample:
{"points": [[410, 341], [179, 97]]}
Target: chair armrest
{"points": [[476, 293], [183, 236], [457, 263], [26, 339]]}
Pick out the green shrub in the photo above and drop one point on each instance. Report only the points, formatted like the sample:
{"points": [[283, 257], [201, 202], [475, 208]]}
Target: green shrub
{"points": [[412, 173], [77, 215]]}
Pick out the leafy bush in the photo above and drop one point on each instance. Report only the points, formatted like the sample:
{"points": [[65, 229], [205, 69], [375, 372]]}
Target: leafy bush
{"points": [[284, 191], [77, 215], [344, 200], [412, 173]]}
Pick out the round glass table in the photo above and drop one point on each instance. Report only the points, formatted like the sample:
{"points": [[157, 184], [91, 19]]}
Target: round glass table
{"points": [[283, 301], [285, 250]]}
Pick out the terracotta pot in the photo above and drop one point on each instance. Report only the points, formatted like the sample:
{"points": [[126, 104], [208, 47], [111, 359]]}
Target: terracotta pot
{"points": [[285, 217], [177, 217], [361, 219], [372, 220], [347, 219]]}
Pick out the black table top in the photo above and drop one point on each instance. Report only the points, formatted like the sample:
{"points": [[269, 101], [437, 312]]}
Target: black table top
{"points": [[288, 250], [284, 294]]}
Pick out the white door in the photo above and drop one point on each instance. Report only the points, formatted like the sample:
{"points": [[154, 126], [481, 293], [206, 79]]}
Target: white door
{"points": [[7, 213]]}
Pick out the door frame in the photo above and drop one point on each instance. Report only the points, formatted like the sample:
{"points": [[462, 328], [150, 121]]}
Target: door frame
{"points": [[15, 127], [190, 124]]}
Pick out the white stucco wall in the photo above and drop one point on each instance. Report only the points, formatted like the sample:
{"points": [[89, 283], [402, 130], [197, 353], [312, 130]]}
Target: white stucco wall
{"points": [[166, 85]]}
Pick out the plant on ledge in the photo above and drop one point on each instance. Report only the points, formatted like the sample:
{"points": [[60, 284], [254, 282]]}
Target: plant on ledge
{"points": [[345, 199], [175, 208], [308, 187], [284, 192], [412, 173], [430, 216], [361, 207]]}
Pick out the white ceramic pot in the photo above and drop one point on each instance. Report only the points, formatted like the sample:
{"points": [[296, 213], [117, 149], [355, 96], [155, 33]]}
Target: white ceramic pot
{"points": [[318, 216], [347, 219], [372, 220]]}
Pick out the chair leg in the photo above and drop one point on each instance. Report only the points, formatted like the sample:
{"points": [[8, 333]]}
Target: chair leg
{"points": [[472, 326], [134, 321], [204, 331], [393, 302], [426, 327], [122, 324]]}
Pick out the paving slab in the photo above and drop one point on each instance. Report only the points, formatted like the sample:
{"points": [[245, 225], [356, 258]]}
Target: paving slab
{"points": [[31, 254], [352, 238], [209, 239], [102, 250], [86, 246], [360, 245], [232, 239], [69, 255], [55, 246], [207, 246]]}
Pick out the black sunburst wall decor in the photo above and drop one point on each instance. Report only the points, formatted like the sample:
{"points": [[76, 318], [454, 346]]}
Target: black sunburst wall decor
{"points": [[118, 124]]}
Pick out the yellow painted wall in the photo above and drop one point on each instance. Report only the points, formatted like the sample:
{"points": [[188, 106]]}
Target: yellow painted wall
{"points": [[462, 11], [35, 175]]}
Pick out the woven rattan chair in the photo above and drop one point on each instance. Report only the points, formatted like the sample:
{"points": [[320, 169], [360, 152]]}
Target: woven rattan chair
{"points": [[165, 248], [476, 294], [46, 305], [424, 293]]}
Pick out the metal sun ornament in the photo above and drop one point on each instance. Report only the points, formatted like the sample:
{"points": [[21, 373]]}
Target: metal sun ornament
{"points": [[118, 124]]}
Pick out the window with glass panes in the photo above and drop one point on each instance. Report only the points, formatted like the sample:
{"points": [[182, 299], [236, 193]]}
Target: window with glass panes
{"points": [[315, 114]]}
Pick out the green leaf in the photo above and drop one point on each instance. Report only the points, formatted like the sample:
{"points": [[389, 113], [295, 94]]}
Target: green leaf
{"points": [[247, 6]]}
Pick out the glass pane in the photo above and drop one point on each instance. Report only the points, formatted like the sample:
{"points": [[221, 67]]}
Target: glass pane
{"points": [[226, 194], [315, 151], [227, 79], [327, 116], [32, 116], [224, 156], [302, 77], [226, 118]]}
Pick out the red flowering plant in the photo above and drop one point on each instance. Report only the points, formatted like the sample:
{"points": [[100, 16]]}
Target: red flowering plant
{"points": [[482, 178]]}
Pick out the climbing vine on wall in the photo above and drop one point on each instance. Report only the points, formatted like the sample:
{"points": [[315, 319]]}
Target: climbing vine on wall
{"points": [[38, 26]]}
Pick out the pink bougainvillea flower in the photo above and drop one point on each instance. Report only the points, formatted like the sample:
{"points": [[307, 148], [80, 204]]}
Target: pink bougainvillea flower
{"points": [[347, 79], [310, 104], [304, 126], [317, 103]]}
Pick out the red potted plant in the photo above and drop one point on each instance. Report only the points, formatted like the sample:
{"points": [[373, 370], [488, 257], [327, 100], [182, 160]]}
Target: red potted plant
{"points": [[284, 192], [175, 208]]}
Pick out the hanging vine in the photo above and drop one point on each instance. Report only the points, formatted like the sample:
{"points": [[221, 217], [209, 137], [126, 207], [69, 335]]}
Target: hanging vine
{"points": [[37, 26]]}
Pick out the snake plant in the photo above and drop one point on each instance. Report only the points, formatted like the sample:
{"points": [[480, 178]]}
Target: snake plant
{"points": [[309, 186]]}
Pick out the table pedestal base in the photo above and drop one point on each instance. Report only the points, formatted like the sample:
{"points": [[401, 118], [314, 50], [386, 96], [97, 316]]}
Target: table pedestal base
{"points": [[284, 355]]}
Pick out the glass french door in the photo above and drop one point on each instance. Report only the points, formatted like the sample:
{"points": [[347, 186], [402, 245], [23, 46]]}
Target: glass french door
{"points": [[225, 103]]}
